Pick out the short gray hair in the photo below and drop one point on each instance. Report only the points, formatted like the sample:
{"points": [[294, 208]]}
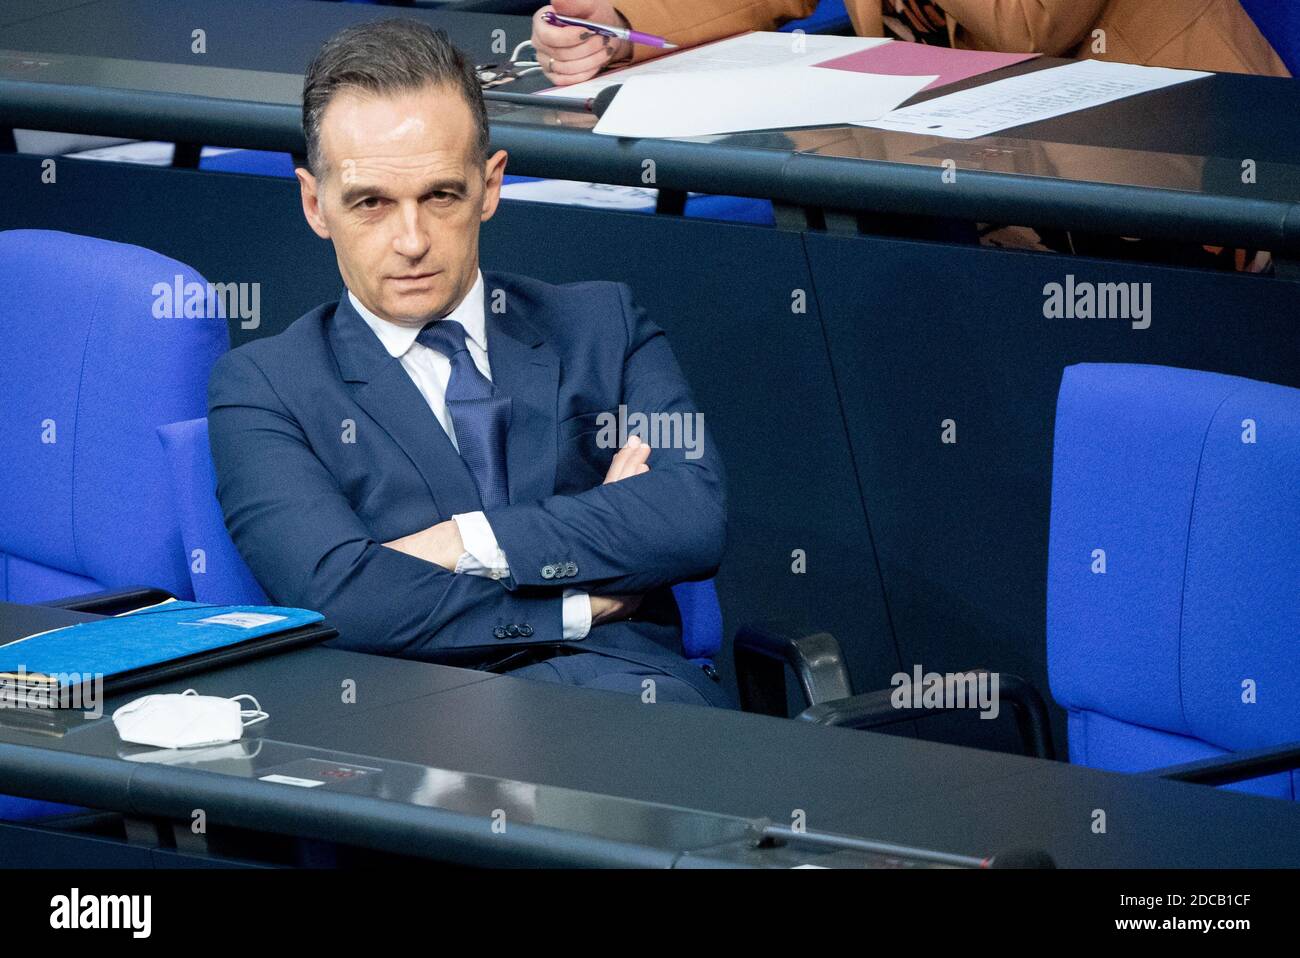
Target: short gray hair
{"points": [[385, 57]]}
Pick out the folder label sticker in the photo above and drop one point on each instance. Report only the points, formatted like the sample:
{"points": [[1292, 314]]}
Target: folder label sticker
{"points": [[244, 620]]}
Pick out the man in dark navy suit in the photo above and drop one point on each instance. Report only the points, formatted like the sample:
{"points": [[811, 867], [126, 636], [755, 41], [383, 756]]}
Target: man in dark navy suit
{"points": [[429, 460]]}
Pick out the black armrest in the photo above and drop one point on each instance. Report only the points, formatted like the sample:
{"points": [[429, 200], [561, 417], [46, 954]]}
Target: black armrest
{"points": [[114, 601], [874, 709], [763, 651], [1238, 767]]}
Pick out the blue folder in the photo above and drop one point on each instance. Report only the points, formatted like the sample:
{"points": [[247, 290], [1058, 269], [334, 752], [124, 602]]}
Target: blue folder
{"points": [[186, 635]]}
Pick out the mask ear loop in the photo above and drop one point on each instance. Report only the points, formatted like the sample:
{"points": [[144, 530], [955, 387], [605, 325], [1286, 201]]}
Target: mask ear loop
{"points": [[260, 716]]}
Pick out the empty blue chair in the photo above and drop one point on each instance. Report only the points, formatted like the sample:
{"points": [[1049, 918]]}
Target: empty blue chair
{"points": [[90, 371], [1174, 557]]}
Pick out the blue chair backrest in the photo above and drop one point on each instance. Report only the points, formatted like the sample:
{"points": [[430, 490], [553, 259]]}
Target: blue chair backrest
{"points": [[1279, 21], [1174, 553], [701, 619], [91, 369], [218, 574], [90, 372]]}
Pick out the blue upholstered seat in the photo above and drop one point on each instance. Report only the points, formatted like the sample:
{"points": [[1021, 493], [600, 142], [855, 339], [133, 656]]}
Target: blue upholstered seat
{"points": [[218, 573], [1185, 644]]}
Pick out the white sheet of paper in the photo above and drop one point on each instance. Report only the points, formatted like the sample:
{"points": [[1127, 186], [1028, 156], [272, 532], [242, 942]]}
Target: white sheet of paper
{"points": [[744, 52], [734, 101], [1028, 98]]}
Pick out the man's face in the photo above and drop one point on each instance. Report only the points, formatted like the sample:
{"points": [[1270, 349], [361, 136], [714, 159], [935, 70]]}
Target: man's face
{"points": [[401, 195]]}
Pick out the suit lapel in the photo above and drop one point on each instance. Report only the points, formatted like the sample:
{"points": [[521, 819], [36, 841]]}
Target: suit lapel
{"points": [[528, 371], [387, 394]]}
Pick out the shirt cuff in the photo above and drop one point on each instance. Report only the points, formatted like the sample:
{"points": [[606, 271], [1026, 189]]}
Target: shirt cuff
{"points": [[575, 614], [482, 555]]}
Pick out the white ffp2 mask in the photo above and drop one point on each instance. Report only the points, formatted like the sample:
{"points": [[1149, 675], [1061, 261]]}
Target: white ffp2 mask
{"points": [[185, 720]]}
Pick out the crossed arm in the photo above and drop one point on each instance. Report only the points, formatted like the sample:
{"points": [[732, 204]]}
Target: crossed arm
{"points": [[441, 544]]}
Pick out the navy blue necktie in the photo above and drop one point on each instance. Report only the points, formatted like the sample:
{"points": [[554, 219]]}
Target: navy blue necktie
{"points": [[480, 418]]}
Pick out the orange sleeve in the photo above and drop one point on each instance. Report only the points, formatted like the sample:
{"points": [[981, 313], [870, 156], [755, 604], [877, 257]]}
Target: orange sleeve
{"points": [[688, 23]]}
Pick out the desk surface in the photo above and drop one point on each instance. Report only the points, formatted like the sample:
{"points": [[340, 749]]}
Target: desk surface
{"points": [[437, 730], [1143, 166]]}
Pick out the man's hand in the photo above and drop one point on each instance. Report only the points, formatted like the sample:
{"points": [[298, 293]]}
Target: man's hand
{"points": [[571, 54], [440, 544], [628, 461], [611, 608]]}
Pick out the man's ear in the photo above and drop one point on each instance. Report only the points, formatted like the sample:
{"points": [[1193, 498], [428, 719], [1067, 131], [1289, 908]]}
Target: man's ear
{"points": [[493, 171], [309, 187]]}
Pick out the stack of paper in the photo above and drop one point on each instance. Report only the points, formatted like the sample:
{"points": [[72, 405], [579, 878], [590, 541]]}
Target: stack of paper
{"points": [[770, 81]]}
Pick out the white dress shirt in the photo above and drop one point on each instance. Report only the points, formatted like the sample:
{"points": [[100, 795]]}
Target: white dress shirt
{"points": [[430, 370]]}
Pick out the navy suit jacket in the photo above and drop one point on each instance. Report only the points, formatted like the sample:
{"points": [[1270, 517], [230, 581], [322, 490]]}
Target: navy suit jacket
{"points": [[324, 449]]}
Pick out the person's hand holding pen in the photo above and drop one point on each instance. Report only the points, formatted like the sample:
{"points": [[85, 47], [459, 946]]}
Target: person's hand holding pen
{"points": [[571, 54]]}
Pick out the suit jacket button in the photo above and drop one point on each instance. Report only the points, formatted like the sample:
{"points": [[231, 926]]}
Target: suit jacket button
{"points": [[512, 631], [499, 632], [525, 630], [548, 572], [571, 568]]}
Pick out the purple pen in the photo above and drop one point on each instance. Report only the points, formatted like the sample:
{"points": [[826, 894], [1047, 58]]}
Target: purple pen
{"points": [[632, 36]]}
